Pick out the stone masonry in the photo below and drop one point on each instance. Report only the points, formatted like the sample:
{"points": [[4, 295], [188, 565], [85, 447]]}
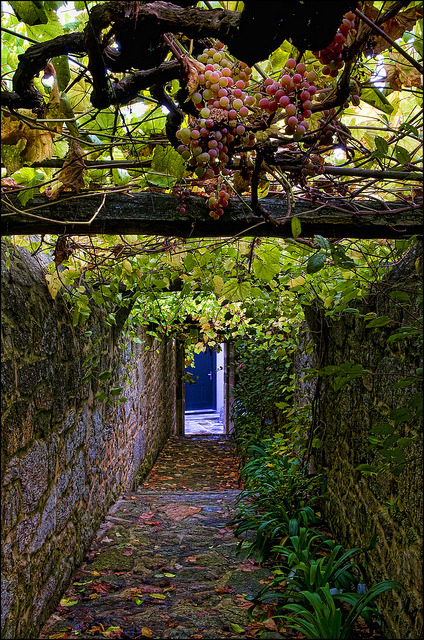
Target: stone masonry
{"points": [[358, 506], [65, 456]]}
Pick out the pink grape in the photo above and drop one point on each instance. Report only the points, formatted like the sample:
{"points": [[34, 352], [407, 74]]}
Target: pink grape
{"points": [[244, 111], [291, 63], [284, 101], [290, 109]]}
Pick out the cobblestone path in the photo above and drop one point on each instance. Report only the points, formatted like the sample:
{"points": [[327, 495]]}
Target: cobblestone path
{"points": [[163, 564]]}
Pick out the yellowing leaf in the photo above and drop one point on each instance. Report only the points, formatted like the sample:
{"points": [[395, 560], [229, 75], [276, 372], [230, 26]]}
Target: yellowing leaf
{"points": [[39, 145], [127, 266], [67, 602], [236, 628], [54, 284], [11, 155], [297, 281], [218, 283], [158, 596], [146, 632]]}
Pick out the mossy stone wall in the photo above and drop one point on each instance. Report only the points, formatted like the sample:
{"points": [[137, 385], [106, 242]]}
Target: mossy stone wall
{"points": [[65, 456]]}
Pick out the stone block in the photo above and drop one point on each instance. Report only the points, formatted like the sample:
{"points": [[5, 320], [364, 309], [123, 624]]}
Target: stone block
{"points": [[44, 398], [66, 343], [7, 377], [62, 482], [34, 475], [11, 471], [29, 376], [49, 340], [8, 597], [25, 530], [95, 441], [42, 598], [48, 523], [11, 506], [77, 436], [22, 337]]}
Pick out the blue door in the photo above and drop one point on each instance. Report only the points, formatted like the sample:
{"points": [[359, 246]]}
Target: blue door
{"points": [[201, 395]]}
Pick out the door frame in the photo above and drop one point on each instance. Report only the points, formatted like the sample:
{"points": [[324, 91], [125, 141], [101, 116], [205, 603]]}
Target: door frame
{"points": [[228, 383]]}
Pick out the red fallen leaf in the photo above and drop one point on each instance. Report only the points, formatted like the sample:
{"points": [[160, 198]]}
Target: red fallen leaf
{"points": [[224, 590], [127, 552], [191, 559], [270, 625], [145, 588], [103, 587]]}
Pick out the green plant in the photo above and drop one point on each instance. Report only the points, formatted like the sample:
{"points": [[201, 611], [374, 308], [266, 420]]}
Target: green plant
{"points": [[275, 501], [319, 618]]}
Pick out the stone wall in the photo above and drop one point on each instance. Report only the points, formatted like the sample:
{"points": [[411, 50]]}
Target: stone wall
{"points": [[357, 506], [65, 456]]}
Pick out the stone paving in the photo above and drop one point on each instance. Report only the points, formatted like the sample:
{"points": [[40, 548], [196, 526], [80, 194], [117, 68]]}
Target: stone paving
{"points": [[163, 564], [203, 424]]}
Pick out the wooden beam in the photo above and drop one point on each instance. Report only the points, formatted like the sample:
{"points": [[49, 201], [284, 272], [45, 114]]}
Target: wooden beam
{"points": [[155, 214]]}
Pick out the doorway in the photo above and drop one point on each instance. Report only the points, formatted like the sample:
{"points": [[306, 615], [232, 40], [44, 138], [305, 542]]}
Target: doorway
{"points": [[204, 397]]}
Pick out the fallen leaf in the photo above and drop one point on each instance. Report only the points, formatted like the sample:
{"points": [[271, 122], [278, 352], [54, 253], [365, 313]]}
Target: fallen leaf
{"points": [[270, 625], [106, 540], [67, 602], [191, 559], [112, 632], [146, 632], [179, 512], [59, 635], [158, 596], [127, 552], [236, 627]]}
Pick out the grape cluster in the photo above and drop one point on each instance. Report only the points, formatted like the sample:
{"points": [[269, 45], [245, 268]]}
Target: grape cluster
{"points": [[292, 94], [332, 56], [181, 194], [218, 200], [222, 103], [313, 167], [327, 124]]}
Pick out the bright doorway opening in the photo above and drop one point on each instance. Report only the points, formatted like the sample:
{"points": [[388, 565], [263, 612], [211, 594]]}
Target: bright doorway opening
{"points": [[204, 398]]}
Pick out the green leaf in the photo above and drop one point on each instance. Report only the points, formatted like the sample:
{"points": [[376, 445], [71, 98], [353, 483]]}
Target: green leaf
{"points": [[316, 263], [382, 145], [378, 322], [296, 227], [101, 396], [377, 99], [236, 628], [322, 242], [400, 414], [167, 160], [367, 468], [11, 155], [264, 271], [29, 13], [116, 391], [382, 429], [105, 375], [234, 290], [402, 155]]}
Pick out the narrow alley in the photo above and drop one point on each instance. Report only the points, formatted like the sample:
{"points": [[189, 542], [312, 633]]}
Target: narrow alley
{"points": [[163, 564]]}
